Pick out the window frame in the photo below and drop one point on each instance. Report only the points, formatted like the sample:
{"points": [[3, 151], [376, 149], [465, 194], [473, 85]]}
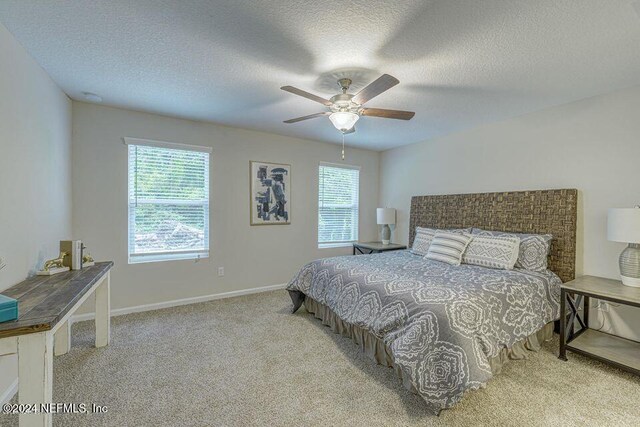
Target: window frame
{"points": [[179, 254], [340, 244]]}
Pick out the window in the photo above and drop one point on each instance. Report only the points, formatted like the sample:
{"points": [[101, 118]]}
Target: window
{"points": [[338, 200], [168, 201]]}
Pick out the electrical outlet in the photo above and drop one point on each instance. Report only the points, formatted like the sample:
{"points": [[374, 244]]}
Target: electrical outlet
{"points": [[220, 271]]}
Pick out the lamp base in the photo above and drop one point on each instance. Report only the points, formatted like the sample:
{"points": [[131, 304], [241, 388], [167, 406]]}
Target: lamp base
{"points": [[630, 265], [630, 281], [386, 234]]}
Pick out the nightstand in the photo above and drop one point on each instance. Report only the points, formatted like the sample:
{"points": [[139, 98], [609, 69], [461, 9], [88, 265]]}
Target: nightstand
{"points": [[607, 348], [366, 248]]}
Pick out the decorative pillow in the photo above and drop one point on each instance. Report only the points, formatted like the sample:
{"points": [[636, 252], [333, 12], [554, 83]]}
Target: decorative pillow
{"points": [[534, 248], [423, 239], [492, 251], [448, 247], [424, 236]]}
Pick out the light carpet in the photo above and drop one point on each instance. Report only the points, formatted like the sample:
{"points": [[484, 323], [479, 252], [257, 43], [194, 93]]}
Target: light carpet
{"points": [[247, 361]]}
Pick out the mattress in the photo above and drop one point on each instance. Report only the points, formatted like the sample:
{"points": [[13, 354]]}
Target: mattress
{"points": [[443, 325]]}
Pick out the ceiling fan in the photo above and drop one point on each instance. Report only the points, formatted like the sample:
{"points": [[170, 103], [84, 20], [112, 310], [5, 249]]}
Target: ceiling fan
{"points": [[345, 109]]}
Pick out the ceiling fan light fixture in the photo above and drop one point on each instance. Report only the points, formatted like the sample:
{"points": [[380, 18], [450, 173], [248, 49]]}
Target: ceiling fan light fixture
{"points": [[345, 109], [343, 120]]}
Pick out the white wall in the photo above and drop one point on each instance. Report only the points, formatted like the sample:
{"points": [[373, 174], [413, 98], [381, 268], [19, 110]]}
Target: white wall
{"points": [[35, 170], [592, 145], [252, 256]]}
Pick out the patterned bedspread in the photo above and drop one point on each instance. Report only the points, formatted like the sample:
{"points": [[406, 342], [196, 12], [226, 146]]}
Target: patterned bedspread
{"points": [[442, 323]]}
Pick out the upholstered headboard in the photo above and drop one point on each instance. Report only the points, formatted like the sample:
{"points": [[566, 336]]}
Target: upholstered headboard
{"points": [[541, 212]]}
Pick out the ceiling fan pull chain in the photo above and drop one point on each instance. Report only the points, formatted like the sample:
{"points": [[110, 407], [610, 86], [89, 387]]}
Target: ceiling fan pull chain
{"points": [[343, 146]]}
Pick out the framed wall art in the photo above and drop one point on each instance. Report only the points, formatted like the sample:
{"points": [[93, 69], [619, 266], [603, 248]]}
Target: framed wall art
{"points": [[270, 193]]}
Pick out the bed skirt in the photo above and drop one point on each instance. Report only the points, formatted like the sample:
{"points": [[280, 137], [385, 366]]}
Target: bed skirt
{"points": [[375, 348]]}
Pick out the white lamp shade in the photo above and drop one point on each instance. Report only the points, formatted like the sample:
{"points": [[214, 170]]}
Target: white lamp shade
{"points": [[623, 225], [386, 215], [343, 120]]}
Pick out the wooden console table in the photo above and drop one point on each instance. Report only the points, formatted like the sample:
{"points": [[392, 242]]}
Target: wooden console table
{"points": [[45, 304]]}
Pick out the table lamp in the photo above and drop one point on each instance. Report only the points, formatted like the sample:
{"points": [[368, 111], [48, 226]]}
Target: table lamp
{"points": [[386, 216], [623, 225]]}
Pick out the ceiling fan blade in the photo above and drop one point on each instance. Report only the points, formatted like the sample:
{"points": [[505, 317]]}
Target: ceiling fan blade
{"points": [[388, 114], [310, 116], [381, 84], [300, 92]]}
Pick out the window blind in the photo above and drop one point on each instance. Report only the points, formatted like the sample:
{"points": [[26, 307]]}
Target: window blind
{"points": [[168, 203], [338, 205]]}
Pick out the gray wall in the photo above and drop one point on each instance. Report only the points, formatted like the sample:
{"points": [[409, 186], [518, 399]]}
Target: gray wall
{"points": [[35, 170], [592, 145], [252, 256]]}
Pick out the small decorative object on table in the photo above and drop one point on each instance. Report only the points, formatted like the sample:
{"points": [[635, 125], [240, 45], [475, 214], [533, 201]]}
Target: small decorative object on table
{"points": [[386, 217], [73, 249], [87, 260], [624, 226], [8, 309], [54, 266]]}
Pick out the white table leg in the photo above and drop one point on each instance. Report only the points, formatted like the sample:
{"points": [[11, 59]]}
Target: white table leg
{"points": [[62, 339], [103, 312], [35, 370], [8, 346]]}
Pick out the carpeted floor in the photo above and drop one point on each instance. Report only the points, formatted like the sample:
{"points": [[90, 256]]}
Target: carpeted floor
{"points": [[248, 361]]}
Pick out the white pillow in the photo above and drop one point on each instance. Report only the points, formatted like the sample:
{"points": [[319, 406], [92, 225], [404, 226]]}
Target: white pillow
{"points": [[424, 236], [423, 239], [492, 251], [534, 248], [448, 247]]}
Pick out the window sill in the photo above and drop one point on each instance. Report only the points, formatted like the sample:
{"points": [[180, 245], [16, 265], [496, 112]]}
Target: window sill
{"points": [[335, 245], [143, 259]]}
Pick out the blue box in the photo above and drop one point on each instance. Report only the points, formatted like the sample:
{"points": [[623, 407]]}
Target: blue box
{"points": [[8, 309]]}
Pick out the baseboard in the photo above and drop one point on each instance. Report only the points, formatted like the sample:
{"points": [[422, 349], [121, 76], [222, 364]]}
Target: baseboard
{"points": [[179, 302], [8, 394]]}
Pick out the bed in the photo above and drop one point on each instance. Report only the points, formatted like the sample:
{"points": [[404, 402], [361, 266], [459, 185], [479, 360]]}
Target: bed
{"points": [[448, 329]]}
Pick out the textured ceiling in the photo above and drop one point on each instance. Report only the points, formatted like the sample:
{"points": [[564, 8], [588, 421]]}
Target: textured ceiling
{"points": [[460, 63]]}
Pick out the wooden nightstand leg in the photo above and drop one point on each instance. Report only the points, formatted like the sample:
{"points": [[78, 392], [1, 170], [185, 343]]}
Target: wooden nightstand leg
{"points": [[587, 303], [574, 306], [563, 325]]}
